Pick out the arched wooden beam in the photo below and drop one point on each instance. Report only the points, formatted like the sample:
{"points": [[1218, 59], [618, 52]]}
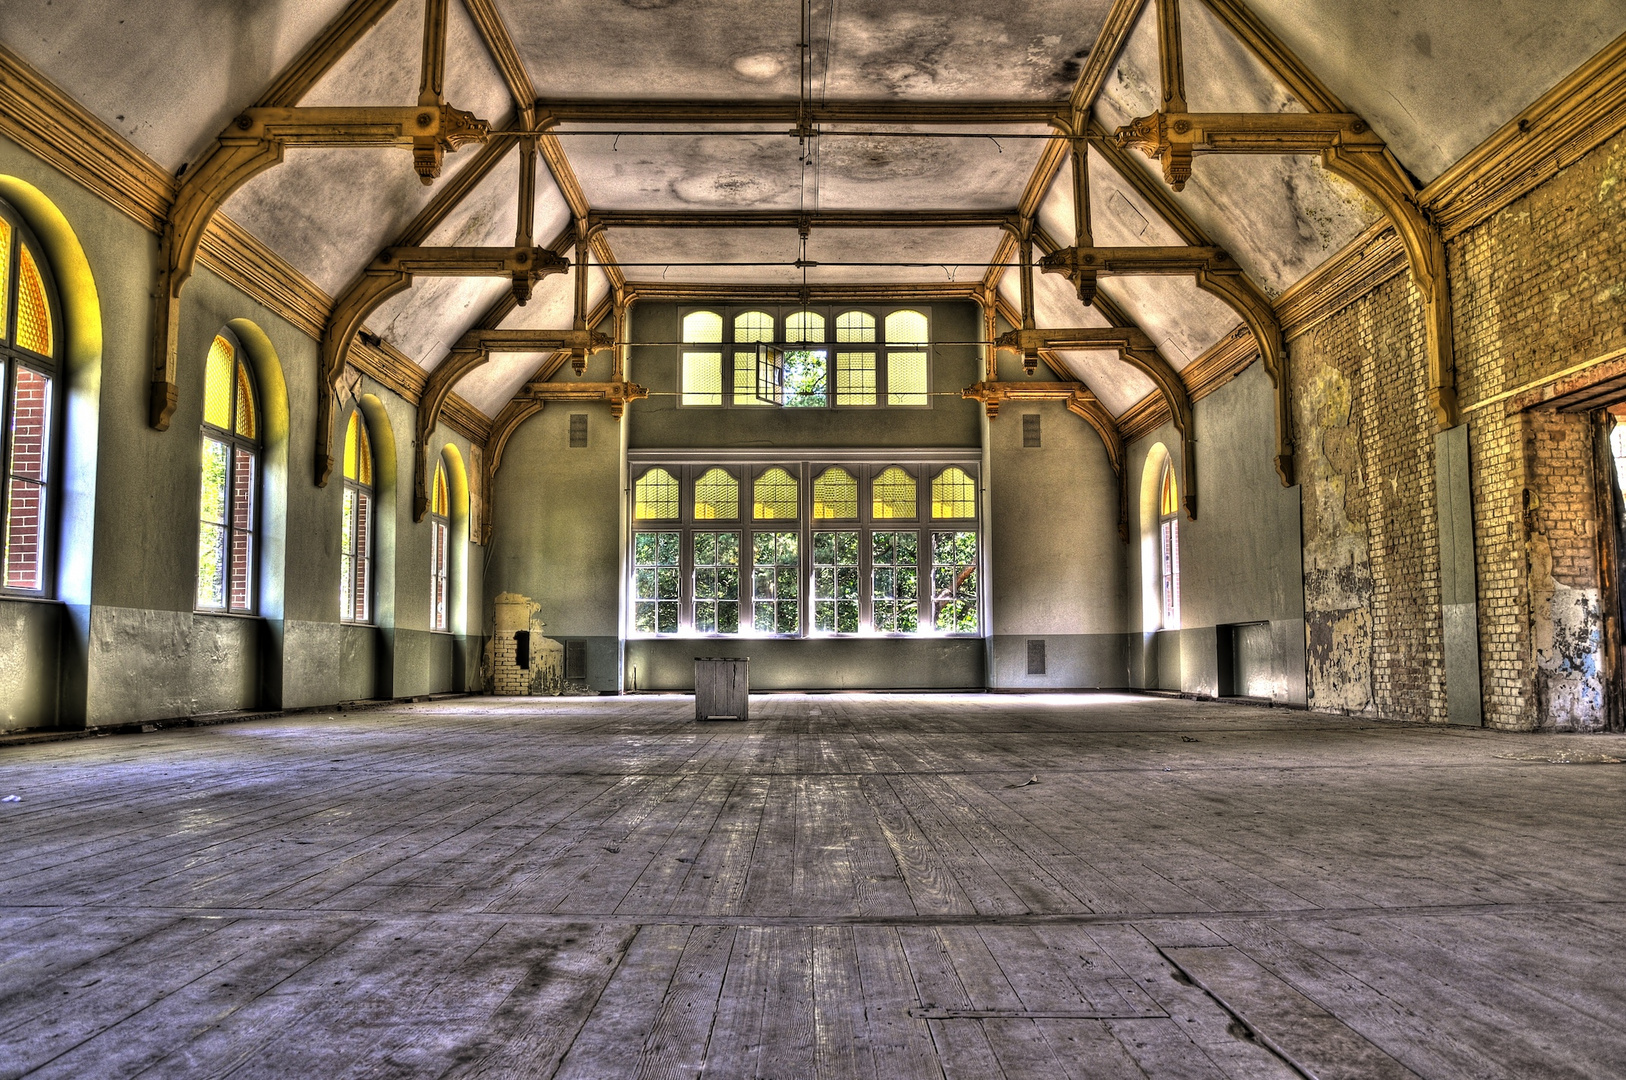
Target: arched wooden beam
{"points": [[472, 351], [1088, 406], [1136, 349], [392, 272], [255, 141]]}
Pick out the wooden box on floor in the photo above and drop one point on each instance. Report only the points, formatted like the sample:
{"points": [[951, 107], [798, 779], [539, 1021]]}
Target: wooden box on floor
{"points": [[722, 688]]}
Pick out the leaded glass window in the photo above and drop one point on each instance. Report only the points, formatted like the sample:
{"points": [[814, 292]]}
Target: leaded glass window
{"points": [[750, 328], [774, 496], [954, 494], [717, 496], [906, 366], [894, 495], [855, 368], [1169, 546], [29, 343], [228, 502], [356, 544], [656, 496], [702, 368], [835, 495]]}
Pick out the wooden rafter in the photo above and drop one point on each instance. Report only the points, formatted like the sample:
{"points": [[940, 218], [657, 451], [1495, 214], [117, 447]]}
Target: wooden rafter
{"points": [[256, 140], [499, 45], [790, 219], [723, 112]]}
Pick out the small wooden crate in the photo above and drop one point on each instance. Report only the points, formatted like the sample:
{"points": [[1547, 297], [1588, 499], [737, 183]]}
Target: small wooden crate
{"points": [[722, 688]]}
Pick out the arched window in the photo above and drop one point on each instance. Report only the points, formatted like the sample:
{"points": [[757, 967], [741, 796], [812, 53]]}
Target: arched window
{"points": [[356, 577], [807, 375], [751, 328], [893, 495], [835, 494], [30, 346], [702, 371], [228, 505], [717, 496], [655, 496], [954, 494], [1168, 508], [440, 558], [906, 370]]}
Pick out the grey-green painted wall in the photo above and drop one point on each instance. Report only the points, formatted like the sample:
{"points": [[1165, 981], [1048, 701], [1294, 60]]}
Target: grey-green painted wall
{"points": [[1240, 561], [128, 645]]}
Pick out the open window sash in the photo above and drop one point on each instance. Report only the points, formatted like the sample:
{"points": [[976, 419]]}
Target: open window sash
{"points": [[770, 374]]}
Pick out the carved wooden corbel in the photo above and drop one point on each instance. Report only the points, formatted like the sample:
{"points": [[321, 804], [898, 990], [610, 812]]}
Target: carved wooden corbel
{"points": [[473, 350], [255, 141], [1136, 349], [391, 273]]}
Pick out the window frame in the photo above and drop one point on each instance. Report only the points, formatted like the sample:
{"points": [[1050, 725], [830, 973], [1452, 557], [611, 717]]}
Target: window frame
{"points": [[255, 446], [440, 553], [804, 468], [1168, 553], [370, 491], [778, 314], [12, 357]]}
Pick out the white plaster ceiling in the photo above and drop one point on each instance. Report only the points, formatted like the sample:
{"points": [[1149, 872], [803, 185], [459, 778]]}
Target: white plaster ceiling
{"points": [[1434, 77]]}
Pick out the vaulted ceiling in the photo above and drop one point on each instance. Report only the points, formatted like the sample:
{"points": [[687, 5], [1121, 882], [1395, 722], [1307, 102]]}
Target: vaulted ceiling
{"points": [[1433, 77]]}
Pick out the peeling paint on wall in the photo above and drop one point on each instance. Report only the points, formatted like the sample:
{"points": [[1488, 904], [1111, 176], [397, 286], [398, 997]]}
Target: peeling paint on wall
{"points": [[513, 614], [1337, 569], [1566, 639]]}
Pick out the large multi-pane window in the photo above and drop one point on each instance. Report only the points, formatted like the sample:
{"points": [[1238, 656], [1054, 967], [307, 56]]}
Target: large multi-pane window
{"points": [[30, 347], [227, 506], [805, 358], [805, 548], [440, 544], [356, 545], [1169, 546]]}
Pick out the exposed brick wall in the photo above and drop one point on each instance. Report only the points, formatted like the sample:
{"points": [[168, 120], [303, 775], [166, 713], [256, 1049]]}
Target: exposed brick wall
{"points": [[1537, 288]]}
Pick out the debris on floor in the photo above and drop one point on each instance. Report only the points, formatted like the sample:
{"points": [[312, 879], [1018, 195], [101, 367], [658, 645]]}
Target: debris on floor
{"points": [[1034, 779], [1564, 757], [12, 798]]}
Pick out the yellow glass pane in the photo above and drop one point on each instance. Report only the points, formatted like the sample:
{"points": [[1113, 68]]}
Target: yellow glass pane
{"points": [[835, 494], [217, 372], [804, 326], [855, 326], [248, 424], [655, 496], [702, 378], [855, 378], [893, 495], [717, 496], [906, 378], [5, 270], [954, 494], [906, 328], [702, 326], [440, 503], [33, 309], [752, 327], [773, 496], [1169, 501], [358, 454]]}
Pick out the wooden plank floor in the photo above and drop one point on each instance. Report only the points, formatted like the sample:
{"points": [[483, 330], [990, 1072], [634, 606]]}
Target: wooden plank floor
{"points": [[845, 886]]}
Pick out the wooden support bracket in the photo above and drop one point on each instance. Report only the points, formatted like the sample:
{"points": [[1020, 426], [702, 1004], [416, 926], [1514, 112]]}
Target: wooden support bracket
{"points": [[391, 273]]}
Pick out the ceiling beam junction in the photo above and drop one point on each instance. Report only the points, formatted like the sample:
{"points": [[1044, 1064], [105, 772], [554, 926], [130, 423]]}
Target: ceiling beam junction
{"points": [[256, 139], [1348, 147]]}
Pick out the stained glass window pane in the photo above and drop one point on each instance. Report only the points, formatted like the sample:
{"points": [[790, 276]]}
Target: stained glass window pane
{"points": [[441, 503], [906, 328], [217, 378], [855, 378], [34, 330], [702, 326], [752, 327], [1169, 497], [702, 378], [248, 424], [893, 495], [655, 496], [5, 272], [358, 455], [856, 327], [835, 494], [774, 496], [906, 378], [804, 327], [954, 494], [717, 496]]}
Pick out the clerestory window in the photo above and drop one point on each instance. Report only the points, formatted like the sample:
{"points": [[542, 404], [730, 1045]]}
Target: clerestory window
{"points": [[440, 558], [356, 543], [1169, 546]]}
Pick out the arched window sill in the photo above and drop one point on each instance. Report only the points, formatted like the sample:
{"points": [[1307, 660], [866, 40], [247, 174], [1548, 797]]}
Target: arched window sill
{"points": [[32, 598], [227, 614]]}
